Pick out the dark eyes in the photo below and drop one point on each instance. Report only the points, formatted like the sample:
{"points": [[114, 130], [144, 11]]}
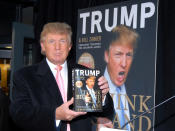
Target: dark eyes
{"points": [[129, 54], [121, 54]]}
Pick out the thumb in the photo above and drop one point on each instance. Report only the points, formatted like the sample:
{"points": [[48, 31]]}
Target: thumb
{"points": [[70, 102]]}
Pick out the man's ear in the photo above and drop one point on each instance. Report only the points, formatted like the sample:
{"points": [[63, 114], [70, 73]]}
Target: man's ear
{"points": [[42, 48], [106, 55], [70, 46]]}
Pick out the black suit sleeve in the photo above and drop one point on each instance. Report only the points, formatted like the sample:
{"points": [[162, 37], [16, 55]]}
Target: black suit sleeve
{"points": [[108, 108]]}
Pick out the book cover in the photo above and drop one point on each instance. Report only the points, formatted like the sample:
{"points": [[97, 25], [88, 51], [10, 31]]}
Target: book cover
{"points": [[87, 94]]}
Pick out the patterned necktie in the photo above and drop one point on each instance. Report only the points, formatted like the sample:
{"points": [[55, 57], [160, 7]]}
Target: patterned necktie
{"points": [[60, 83]]}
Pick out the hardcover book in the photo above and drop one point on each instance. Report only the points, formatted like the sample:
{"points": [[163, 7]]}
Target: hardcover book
{"points": [[87, 94]]}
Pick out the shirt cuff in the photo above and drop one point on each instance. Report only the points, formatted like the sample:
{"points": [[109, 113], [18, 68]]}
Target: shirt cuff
{"points": [[57, 123], [103, 102]]}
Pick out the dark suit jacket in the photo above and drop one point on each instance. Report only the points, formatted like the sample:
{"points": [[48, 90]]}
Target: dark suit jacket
{"points": [[35, 96]]}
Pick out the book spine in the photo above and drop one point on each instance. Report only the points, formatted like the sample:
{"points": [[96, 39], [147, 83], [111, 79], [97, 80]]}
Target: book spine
{"points": [[73, 85]]}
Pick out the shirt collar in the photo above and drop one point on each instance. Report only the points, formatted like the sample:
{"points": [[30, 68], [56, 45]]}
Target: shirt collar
{"points": [[53, 66]]}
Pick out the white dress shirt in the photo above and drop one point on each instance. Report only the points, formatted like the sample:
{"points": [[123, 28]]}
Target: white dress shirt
{"points": [[64, 75]]}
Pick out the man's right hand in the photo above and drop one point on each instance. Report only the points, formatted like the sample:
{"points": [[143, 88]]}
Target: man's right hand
{"points": [[64, 113]]}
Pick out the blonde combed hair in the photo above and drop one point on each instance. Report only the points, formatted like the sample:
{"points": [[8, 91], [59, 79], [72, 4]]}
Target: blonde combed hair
{"points": [[56, 28], [125, 36]]}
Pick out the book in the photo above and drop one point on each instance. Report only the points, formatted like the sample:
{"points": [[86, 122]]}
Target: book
{"points": [[87, 94]]}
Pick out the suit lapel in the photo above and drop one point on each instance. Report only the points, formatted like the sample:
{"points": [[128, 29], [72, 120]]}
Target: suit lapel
{"points": [[69, 91], [49, 82]]}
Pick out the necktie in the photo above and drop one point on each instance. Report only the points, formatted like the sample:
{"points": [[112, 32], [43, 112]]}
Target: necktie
{"points": [[121, 112], [60, 83], [93, 96]]}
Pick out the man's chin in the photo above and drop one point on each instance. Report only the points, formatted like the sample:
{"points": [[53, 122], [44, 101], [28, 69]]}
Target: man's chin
{"points": [[119, 83]]}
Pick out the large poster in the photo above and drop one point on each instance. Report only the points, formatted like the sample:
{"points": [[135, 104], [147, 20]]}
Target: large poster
{"points": [[121, 40]]}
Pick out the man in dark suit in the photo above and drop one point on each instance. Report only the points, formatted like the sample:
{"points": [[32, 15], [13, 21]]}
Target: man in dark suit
{"points": [[90, 96], [42, 93], [89, 101]]}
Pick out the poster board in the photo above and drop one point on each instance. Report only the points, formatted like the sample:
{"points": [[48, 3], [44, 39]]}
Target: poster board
{"points": [[93, 27]]}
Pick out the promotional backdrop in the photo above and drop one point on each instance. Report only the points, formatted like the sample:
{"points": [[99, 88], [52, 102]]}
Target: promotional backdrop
{"points": [[92, 35]]}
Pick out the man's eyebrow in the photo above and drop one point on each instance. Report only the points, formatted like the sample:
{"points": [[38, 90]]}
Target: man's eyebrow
{"points": [[118, 50], [130, 52]]}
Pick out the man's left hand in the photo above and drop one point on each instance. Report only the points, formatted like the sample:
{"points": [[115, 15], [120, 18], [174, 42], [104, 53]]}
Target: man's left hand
{"points": [[103, 83]]}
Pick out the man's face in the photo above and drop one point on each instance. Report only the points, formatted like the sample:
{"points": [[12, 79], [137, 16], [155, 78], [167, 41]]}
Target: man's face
{"points": [[90, 82], [119, 59], [56, 48]]}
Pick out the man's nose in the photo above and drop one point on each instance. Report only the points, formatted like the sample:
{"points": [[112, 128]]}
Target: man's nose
{"points": [[124, 61], [57, 45]]}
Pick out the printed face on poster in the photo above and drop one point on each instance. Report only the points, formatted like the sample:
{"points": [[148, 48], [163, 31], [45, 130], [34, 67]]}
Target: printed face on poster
{"points": [[121, 40]]}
